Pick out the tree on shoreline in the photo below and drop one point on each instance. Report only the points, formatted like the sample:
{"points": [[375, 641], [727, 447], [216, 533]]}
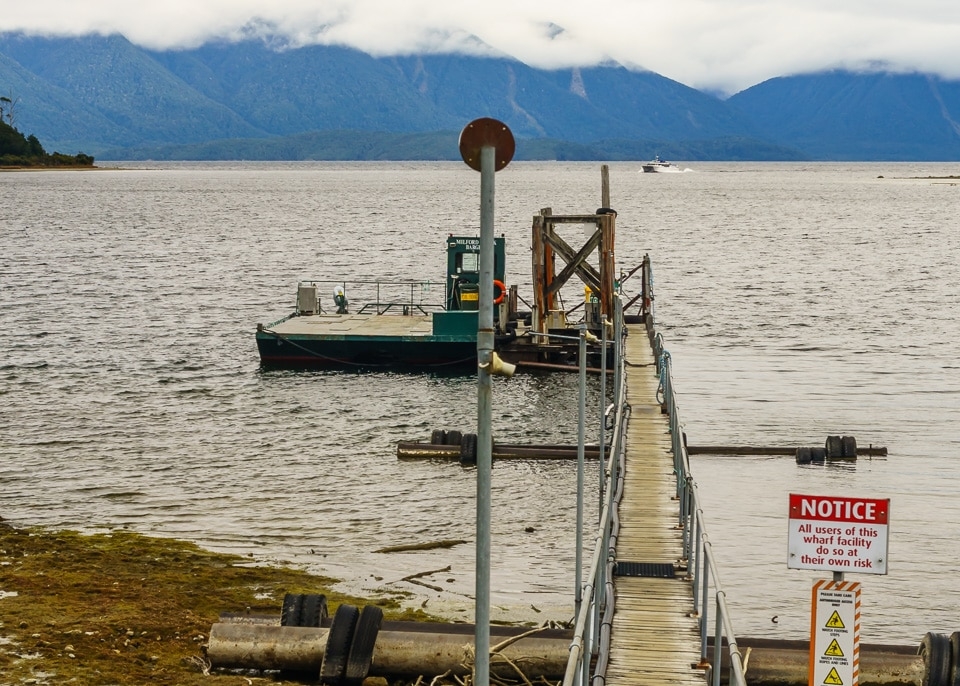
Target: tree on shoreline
{"points": [[19, 151]]}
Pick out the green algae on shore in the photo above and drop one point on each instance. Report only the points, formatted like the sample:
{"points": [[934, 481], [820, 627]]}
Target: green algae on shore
{"points": [[124, 608]]}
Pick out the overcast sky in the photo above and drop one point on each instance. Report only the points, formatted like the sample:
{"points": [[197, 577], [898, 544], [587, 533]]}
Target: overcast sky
{"points": [[715, 45]]}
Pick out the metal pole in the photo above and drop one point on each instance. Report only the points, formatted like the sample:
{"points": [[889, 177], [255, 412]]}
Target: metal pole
{"points": [[603, 402], [598, 584], [485, 340], [581, 426], [581, 438]]}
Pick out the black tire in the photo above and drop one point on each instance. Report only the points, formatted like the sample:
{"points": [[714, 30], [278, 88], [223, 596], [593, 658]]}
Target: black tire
{"points": [[454, 437], [291, 609], [834, 447], [803, 455], [849, 444], [361, 648], [468, 449], [818, 455], [955, 658], [314, 610], [338, 645], [935, 649], [438, 437]]}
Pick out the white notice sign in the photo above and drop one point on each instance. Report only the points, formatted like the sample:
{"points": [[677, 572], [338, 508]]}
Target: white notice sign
{"points": [[836, 534]]}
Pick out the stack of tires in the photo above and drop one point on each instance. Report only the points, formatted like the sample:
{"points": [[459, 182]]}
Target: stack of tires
{"points": [[353, 632], [941, 659], [835, 448], [467, 443], [303, 609], [841, 447]]}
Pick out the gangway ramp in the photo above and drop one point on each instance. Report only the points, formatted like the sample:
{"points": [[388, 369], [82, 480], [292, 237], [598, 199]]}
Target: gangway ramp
{"points": [[655, 637]]}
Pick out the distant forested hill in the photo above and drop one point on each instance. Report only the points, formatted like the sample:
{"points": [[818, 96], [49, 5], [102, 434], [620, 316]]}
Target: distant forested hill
{"points": [[249, 100]]}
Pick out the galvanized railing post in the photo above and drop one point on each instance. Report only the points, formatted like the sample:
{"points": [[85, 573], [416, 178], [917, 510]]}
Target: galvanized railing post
{"points": [[696, 559], [704, 605], [717, 644], [581, 434], [601, 474]]}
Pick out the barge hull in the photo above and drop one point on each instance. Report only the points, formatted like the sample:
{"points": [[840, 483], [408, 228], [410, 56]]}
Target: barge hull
{"points": [[371, 341]]}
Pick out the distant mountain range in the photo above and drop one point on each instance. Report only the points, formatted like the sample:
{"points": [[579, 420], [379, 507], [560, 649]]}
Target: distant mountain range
{"points": [[104, 96]]}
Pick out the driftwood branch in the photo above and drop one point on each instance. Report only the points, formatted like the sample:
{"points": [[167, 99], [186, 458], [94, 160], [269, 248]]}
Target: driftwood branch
{"points": [[431, 545], [415, 578]]}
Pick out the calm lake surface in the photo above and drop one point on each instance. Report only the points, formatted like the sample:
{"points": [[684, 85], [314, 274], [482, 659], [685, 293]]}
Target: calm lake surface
{"points": [[796, 300]]}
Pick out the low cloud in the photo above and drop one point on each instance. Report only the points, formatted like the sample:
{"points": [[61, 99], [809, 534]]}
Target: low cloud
{"points": [[717, 45]]}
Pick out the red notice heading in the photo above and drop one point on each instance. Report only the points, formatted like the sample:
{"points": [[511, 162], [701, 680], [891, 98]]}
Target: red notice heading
{"points": [[837, 509]]}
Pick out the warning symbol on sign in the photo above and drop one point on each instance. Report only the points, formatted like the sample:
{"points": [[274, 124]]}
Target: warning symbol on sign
{"points": [[834, 649], [833, 678], [834, 622]]}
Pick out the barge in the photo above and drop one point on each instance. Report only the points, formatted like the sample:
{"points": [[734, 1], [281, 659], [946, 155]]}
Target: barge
{"points": [[393, 324]]}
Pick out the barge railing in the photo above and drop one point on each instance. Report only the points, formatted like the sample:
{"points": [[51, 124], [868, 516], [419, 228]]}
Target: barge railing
{"points": [[382, 296], [594, 618]]}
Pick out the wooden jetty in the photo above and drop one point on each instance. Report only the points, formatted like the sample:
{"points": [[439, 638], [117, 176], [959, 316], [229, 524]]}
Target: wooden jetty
{"points": [[656, 635]]}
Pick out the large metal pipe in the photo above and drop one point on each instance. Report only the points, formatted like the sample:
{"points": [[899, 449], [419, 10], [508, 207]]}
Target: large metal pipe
{"points": [[406, 649], [396, 653]]}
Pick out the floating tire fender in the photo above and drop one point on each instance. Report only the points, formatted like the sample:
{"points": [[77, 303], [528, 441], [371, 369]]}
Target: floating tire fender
{"points": [[468, 449], [334, 662], [803, 455], [935, 650], [849, 446], [438, 437], [834, 447], [361, 647], [818, 455]]}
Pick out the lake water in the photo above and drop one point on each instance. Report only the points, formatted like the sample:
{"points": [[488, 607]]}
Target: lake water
{"points": [[797, 301]]}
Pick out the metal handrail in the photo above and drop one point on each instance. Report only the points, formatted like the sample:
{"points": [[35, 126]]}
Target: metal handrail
{"points": [[591, 632], [697, 547]]}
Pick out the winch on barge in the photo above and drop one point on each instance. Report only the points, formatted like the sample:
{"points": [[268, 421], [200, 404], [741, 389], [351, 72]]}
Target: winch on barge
{"points": [[404, 325]]}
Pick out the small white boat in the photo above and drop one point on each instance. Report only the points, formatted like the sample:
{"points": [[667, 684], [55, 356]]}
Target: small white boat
{"points": [[655, 165]]}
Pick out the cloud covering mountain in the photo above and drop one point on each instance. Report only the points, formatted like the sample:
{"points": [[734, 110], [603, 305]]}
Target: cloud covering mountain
{"points": [[719, 46]]}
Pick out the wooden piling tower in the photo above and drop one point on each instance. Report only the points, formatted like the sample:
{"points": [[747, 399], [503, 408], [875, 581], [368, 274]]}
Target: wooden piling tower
{"points": [[548, 245]]}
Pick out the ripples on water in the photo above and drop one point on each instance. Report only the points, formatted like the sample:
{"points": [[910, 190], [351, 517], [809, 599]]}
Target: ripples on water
{"points": [[797, 302]]}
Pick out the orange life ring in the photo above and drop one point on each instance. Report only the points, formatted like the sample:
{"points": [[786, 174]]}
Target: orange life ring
{"points": [[503, 291]]}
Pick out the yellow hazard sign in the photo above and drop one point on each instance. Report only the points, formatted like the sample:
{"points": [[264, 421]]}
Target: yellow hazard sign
{"points": [[835, 622], [833, 679], [834, 649]]}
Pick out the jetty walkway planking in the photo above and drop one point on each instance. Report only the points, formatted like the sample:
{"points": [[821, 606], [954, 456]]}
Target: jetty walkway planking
{"points": [[655, 637]]}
